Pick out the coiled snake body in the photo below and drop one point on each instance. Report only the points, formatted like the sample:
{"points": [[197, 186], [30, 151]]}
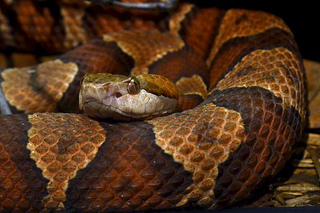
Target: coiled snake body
{"points": [[213, 155]]}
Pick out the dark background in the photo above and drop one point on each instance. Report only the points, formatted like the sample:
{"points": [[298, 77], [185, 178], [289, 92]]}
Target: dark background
{"points": [[303, 17]]}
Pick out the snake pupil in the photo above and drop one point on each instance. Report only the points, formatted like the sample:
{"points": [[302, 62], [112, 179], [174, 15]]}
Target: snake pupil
{"points": [[133, 86]]}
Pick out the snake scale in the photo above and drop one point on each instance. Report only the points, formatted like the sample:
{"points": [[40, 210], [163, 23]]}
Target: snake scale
{"points": [[213, 155]]}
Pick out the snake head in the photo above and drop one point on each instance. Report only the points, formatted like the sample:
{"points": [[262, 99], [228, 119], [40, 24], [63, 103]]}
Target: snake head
{"points": [[119, 97]]}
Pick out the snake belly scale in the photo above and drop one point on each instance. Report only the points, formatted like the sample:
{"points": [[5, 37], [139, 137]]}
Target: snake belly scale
{"points": [[222, 147]]}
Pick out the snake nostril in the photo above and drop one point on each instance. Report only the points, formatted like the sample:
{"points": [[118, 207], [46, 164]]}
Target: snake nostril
{"points": [[118, 94]]}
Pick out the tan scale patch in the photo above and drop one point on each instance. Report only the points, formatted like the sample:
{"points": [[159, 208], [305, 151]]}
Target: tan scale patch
{"points": [[39, 88], [192, 85], [145, 47], [61, 145], [244, 23], [277, 70], [75, 33], [200, 139], [178, 17]]}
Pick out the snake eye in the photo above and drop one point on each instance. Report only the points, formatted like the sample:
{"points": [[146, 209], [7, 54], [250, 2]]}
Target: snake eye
{"points": [[133, 86]]}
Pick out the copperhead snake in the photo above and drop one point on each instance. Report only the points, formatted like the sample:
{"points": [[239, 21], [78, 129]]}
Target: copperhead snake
{"points": [[212, 155]]}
